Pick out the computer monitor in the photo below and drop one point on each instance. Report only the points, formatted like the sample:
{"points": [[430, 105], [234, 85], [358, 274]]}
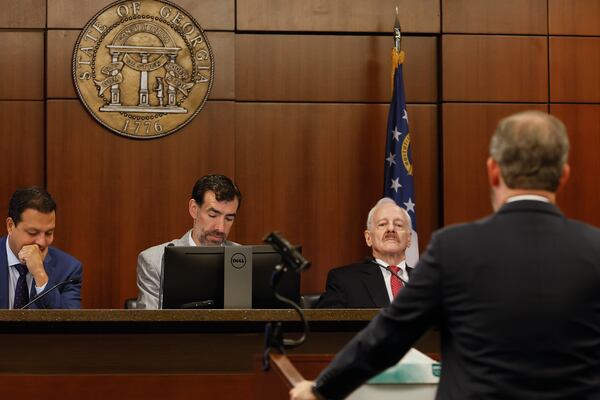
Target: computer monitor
{"points": [[194, 277]]}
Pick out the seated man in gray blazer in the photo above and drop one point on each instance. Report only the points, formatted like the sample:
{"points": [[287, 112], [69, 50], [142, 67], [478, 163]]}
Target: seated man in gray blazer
{"points": [[213, 208]]}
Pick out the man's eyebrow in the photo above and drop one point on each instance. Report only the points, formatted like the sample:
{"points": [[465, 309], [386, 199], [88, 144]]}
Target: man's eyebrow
{"points": [[212, 209]]}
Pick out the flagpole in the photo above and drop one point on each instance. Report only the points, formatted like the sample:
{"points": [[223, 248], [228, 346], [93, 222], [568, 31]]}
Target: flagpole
{"points": [[398, 166], [397, 33], [397, 53]]}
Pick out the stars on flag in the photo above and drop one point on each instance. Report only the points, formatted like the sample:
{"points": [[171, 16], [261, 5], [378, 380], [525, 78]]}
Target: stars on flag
{"points": [[396, 184], [409, 205], [391, 159]]}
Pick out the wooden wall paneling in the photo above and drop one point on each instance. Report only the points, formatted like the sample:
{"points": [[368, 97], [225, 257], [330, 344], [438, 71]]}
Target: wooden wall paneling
{"points": [[338, 16], [22, 67], [574, 17], [331, 68], [60, 54], [210, 14], [495, 68], [467, 129], [59, 57], [223, 47], [23, 14], [117, 196], [492, 16], [425, 145], [99, 387], [574, 69], [22, 138], [580, 197], [313, 171]]}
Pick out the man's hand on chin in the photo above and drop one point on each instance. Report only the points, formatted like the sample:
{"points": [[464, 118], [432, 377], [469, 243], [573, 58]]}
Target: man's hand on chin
{"points": [[33, 257]]}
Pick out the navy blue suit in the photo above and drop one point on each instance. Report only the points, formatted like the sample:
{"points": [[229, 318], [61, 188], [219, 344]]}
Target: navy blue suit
{"points": [[518, 299], [358, 285], [59, 266]]}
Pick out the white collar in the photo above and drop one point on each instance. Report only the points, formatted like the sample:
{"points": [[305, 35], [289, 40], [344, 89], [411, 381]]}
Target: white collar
{"points": [[534, 197], [401, 264], [190, 240]]}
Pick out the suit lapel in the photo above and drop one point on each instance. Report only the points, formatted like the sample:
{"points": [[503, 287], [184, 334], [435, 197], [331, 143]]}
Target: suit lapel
{"points": [[373, 281], [3, 274]]}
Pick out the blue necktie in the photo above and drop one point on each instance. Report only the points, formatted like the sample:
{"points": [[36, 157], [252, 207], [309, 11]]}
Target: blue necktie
{"points": [[21, 290]]}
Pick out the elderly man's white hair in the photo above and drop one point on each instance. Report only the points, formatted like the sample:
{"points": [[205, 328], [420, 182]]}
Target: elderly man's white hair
{"points": [[381, 202]]}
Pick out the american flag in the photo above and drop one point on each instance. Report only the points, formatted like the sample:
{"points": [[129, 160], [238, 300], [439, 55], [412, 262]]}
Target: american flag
{"points": [[399, 183]]}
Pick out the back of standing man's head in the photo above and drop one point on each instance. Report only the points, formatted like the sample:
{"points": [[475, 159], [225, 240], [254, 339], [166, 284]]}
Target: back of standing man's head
{"points": [[223, 188], [33, 197], [531, 149]]}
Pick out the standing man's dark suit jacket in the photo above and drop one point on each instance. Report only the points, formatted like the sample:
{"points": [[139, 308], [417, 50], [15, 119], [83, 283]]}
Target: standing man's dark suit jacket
{"points": [[518, 299], [59, 266], [358, 285]]}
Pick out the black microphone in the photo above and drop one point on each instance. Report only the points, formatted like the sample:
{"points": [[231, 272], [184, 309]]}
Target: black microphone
{"points": [[53, 288], [372, 261], [290, 254]]}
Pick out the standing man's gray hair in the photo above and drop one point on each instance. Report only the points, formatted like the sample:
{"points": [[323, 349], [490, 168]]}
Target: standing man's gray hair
{"points": [[531, 149]]}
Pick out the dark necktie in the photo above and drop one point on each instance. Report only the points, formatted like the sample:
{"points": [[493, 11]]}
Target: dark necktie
{"points": [[395, 282], [21, 291]]}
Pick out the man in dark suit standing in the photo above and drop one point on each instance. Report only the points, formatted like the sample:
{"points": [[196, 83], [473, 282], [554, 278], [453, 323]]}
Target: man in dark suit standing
{"points": [[517, 294], [29, 266], [374, 282]]}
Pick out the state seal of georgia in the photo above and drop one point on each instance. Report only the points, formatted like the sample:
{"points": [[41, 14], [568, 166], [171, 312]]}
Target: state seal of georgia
{"points": [[143, 68]]}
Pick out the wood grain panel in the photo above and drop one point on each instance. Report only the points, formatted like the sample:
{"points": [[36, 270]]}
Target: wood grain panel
{"points": [[22, 138], [331, 68], [23, 14], [338, 16], [60, 54], [495, 68], [91, 387], [574, 17], [210, 14], [467, 132], [313, 171], [580, 197], [22, 66], [492, 16], [118, 196], [574, 69]]}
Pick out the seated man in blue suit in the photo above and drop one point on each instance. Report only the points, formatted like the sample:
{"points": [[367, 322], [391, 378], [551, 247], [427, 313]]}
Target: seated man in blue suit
{"points": [[29, 267]]}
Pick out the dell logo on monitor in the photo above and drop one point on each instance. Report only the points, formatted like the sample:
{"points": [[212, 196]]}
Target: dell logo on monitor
{"points": [[238, 260]]}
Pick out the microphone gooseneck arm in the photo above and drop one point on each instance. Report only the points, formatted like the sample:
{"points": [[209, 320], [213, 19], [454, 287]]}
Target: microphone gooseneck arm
{"points": [[53, 288]]}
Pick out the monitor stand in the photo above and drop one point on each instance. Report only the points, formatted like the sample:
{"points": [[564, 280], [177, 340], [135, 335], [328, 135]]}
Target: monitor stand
{"points": [[237, 270]]}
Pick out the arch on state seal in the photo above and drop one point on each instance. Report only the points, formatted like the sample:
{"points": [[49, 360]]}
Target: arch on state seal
{"points": [[167, 56]]}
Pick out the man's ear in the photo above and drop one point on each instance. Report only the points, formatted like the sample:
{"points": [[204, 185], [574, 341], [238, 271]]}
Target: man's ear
{"points": [[10, 225], [368, 238], [493, 171], [193, 208], [564, 178]]}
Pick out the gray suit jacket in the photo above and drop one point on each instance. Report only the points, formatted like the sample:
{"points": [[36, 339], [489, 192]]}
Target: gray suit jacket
{"points": [[149, 271]]}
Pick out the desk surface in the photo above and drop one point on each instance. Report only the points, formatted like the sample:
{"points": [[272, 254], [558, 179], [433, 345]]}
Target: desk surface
{"points": [[183, 315], [164, 341]]}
